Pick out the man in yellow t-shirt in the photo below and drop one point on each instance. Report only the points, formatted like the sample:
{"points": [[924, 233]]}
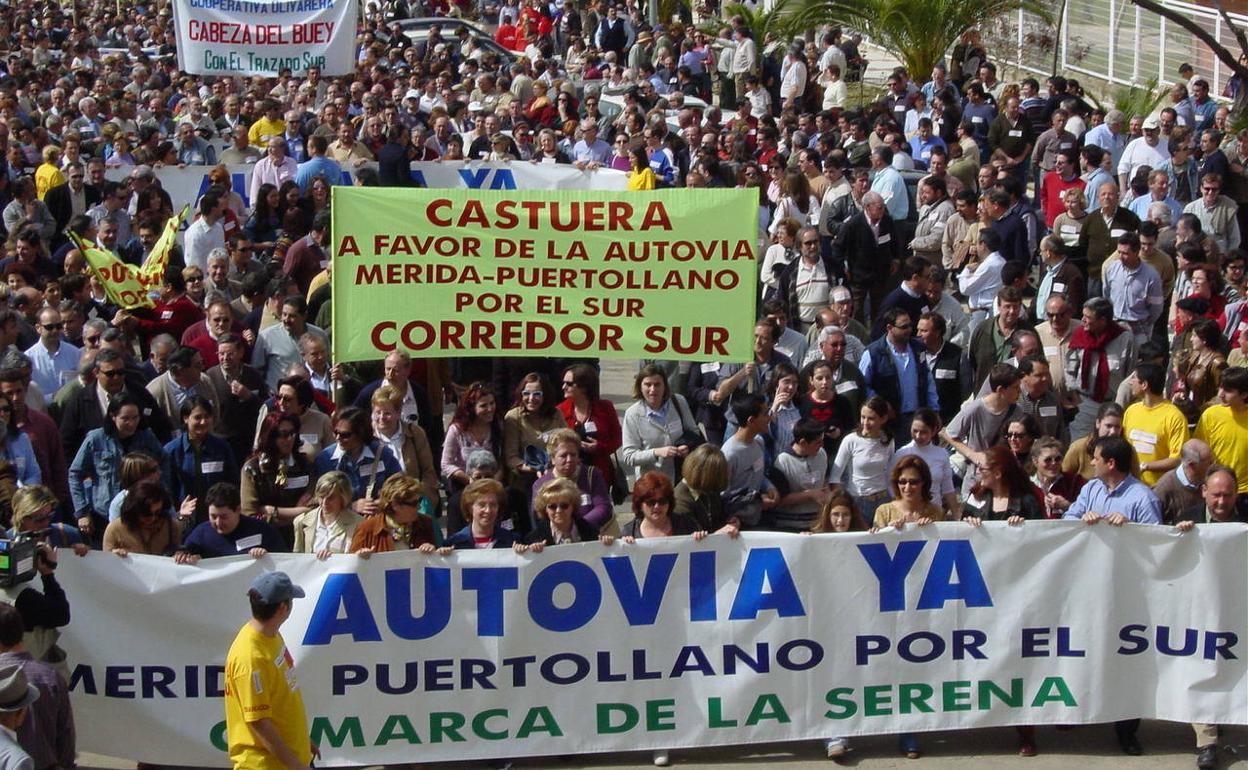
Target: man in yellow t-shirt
{"points": [[266, 726], [269, 126], [1225, 428], [1155, 427]]}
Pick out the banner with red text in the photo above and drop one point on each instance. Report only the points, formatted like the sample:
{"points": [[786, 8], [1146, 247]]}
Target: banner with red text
{"points": [[265, 37], [669, 274]]}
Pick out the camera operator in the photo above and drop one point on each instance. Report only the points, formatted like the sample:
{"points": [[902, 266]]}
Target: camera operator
{"points": [[42, 604]]}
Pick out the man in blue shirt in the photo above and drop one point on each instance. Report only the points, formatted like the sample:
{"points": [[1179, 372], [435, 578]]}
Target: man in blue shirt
{"points": [[887, 181], [1109, 136], [317, 165], [1115, 495]]}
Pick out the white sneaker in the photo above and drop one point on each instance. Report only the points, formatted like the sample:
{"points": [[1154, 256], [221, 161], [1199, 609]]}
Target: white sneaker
{"points": [[836, 747], [661, 759]]}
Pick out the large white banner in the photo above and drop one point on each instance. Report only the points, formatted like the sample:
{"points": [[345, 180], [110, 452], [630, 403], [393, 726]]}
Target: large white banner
{"points": [[186, 184], [264, 37], [671, 643]]}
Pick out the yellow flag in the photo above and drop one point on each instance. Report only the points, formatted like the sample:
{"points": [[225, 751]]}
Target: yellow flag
{"points": [[153, 269], [123, 283]]}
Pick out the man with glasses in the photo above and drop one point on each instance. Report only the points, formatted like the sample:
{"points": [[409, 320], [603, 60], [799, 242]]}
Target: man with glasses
{"points": [[54, 361], [67, 200], [1217, 213], [895, 367], [85, 411], [806, 282], [242, 261], [114, 208]]}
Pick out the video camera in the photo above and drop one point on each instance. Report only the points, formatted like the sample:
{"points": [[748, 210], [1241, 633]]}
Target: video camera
{"points": [[19, 557]]}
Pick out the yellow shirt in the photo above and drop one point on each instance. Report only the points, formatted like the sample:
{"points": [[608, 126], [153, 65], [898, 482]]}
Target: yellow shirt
{"points": [[1226, 433], [1156, 433], [263, 130], [47, 176], [260, 684], [642, 180]]}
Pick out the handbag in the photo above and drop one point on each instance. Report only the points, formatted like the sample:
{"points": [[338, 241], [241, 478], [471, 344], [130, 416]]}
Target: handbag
{"points": [[690, 438], [619, 480]]}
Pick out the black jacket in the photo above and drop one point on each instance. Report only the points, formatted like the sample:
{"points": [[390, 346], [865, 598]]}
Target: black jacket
{"points": [[82, 414], [62, 208], [867, 258]]}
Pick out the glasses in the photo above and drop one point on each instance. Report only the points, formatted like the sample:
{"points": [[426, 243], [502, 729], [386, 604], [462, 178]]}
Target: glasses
{"points": [[285, 433], [112, 372], [53, 327], [1051, 459], [908, 482], [1211, 189], [341, 434], [93, 339], [195, 279], [285, 397], [408, 503], [558, 506], [902, 327]]}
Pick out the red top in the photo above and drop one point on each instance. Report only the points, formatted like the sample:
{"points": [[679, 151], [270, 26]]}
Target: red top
{"points": [[602, 426], [171, 318]]}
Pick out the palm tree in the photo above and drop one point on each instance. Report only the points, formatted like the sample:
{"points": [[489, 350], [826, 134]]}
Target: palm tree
{"points": [[780, 19], [919, 32]]}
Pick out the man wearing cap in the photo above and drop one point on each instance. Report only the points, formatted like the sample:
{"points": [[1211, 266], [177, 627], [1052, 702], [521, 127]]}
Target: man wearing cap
{"points": [[1150, 150], [265, 722], [48, 732], [16, 695]]}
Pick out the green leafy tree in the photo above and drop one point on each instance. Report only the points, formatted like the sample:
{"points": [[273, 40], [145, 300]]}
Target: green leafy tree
{"points": [[918, 32]]}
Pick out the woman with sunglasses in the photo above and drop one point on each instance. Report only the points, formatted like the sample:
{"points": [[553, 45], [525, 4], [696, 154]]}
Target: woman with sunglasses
{"points": [[621, 158], [407, 440], [33, 509], [399, 525], [1059, 488], [277, 478], [593, 418], [557, 523], [358, 453], [144, 525], [911, 482], [1003, 493], [526, 426]]}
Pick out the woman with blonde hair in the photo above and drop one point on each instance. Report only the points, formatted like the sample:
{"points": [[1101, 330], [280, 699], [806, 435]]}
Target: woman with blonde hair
{"points": [[557, 523], [33, 508], [220, 175], [330, 525], [398, 524]]}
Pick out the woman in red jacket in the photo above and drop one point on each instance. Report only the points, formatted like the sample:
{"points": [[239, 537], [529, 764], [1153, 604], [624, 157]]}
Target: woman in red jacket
{"points": [[593, 418]]}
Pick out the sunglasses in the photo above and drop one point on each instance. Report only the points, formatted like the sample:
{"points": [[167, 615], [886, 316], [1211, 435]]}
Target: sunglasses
{"points": [[53, 327], [908, 482], [408, 503], [341, 434], [285, 433], [112, 373], [559, 506]]}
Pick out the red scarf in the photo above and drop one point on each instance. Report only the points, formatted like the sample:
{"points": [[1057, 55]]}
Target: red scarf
{"points": [[1095, 346]]}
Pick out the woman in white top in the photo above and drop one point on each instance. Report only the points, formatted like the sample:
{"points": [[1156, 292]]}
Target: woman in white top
{"points": [[779, 254], [835, 93], [328, 528], [923, 430], [655, 426], [862, 461], [796, 201]]}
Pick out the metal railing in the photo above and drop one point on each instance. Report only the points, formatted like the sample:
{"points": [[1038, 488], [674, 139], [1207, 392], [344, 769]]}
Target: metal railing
{"points": [[1116, 42]]}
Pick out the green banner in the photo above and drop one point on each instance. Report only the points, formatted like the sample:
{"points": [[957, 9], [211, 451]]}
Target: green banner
{"points": [[670, 274]]}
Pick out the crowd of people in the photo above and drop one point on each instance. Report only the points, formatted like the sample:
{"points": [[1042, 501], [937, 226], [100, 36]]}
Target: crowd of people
{"points": [[979, 300]]}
